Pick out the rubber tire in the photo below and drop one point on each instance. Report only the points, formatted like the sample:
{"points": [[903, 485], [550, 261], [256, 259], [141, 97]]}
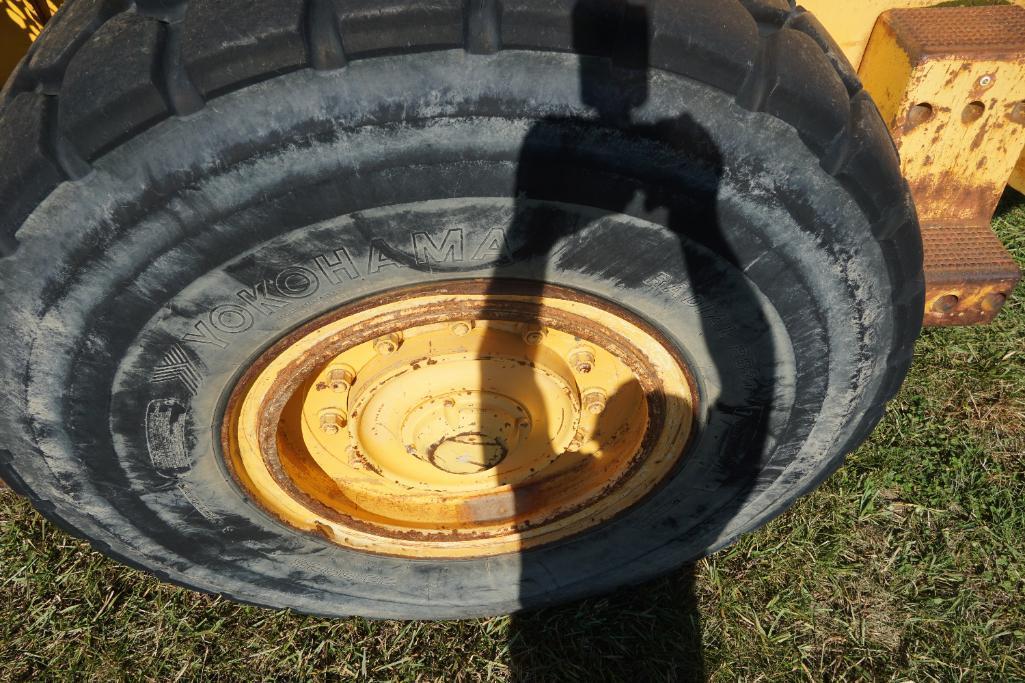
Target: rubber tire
{"points": [[162, 164]]}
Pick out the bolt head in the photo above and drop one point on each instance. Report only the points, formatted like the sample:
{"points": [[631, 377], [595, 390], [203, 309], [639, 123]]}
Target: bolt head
{"points": [[341, 379], [582, 359], [388, 344], [594, 401], [332, 421], [533, 335]]}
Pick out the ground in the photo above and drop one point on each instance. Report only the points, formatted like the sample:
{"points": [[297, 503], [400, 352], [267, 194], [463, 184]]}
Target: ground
{"points": [[906, 565]]}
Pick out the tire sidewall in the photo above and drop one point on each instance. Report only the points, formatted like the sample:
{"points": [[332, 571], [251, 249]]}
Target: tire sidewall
{"points": [[179, 320]]}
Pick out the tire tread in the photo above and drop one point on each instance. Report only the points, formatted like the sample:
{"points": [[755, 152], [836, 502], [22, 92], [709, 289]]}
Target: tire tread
{"points": [[57, 112]]}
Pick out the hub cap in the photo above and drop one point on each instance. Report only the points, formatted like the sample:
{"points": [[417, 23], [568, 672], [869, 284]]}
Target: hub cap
{"points": [[459, 421]]}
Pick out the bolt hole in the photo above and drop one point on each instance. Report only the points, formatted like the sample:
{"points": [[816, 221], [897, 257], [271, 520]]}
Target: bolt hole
{"points": [[994, 302], [920, 113], [946, 304], [973, 112], [1018, 113]]}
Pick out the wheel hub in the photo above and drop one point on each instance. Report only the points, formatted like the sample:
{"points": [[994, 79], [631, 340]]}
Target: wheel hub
{"points": [[460, 423], [465, 432]]}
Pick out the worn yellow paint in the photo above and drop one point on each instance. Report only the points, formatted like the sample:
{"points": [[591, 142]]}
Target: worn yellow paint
{"points": [[886, 72], [959, 160], [950, 84], [1018, 176], [464, 439]]}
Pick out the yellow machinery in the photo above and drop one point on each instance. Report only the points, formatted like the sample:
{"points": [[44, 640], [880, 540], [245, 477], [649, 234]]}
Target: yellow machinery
{"points": [[950, 83]]}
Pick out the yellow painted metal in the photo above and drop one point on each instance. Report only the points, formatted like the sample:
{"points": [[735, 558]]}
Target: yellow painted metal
{"points": [[20, 24], [467, 423], [952, 98], [1018, 176], [851, 22], [950, 83]]}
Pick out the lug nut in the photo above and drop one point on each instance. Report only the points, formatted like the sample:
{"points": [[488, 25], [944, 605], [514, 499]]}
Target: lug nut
{"points": [[388, 344], [462, 328], [582, 360], [331, 421], [341, 379], [534, 334], [594, 401]]}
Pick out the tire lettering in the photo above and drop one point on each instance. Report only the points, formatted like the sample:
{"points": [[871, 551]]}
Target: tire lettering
{"points": [[204, 335], [336, 267], [378, 259], [427, 250], [297, 282], [338, 262], [260, 300]]}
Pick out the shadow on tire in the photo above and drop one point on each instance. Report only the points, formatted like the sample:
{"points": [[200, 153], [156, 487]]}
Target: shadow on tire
{"points": [[651, 632]]}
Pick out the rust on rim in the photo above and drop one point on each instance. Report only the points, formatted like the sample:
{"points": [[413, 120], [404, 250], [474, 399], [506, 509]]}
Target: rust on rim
{"points": [[465, 419]]}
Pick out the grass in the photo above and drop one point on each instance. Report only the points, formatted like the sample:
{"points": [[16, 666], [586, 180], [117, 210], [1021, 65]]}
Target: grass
{"points": [[907, 565]]}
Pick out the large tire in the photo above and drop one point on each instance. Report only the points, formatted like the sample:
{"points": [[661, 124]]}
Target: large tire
{"points": [[159, 157]]}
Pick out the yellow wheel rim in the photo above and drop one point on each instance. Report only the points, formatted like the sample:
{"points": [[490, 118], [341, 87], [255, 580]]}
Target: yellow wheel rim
{"points": [[461, 420]]}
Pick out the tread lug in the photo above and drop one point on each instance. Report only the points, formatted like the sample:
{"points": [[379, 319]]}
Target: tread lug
{"points": [[224, 48], [72, 26], [28, 173], [793, 83], [111, 90], [371, 27], [712, 41]]}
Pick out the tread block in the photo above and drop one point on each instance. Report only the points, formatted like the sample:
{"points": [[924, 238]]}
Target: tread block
{"points": [[712, 41], [111, 89], [371, 27], [66, 32], [28, 173], [807, 24], [871, 169], [587, 27], [162, 8], [19, 81], [797, 86], [773, 12], [224, 47]]}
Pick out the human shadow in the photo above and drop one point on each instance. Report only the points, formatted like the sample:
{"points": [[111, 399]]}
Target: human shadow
{"points": [[598, 159]]}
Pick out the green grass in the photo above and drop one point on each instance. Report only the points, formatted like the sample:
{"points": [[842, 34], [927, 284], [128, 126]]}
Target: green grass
{"points": [[907, 565]]}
